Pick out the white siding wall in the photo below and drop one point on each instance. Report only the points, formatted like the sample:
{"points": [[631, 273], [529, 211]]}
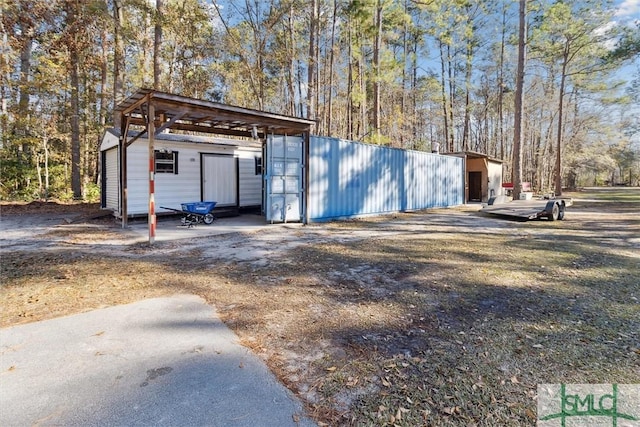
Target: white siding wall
{"points": [[494, 170], [250, 183], [172, 189], [109, 140], [112, 196]]}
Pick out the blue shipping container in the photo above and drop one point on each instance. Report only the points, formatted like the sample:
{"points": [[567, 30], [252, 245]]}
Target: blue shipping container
{"points": [[350, 179]]}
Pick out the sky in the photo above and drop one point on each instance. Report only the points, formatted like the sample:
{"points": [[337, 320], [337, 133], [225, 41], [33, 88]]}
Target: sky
{"points": [[628, 13], [628, 9]]}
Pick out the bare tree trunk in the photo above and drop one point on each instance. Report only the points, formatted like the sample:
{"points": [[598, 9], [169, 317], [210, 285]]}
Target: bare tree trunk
{"points": [[300, 95], [467, 101], [39, 175], [102, 108], [443, 86], [518, 104], [452, 95], [45, 144], [5, 86], [86, 164], [331, 62], [316, 80], [466, 142], [376, 71], [364, 119], [172, 65], [104, 74], [25, 66], [118, 54], [414, 93], [157, 44], [501, 87], [350, 83], [537, 177], [74, 59], [292, 70], [403, 99], [23, 151], [311, 77]]}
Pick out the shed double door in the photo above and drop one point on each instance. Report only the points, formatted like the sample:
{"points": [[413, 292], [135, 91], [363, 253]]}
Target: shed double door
{"points": [[220, 179]]}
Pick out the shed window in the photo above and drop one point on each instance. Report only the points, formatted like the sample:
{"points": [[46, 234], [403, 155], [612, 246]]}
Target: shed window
{"points": [[258, 161], [166, 162]]}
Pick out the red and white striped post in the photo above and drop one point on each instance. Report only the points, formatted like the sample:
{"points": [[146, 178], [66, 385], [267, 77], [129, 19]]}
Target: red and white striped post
{"points": [[151, 130]]}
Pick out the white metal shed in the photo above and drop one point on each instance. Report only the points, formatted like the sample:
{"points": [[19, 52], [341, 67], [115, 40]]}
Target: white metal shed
{"points": [[188, 168]]}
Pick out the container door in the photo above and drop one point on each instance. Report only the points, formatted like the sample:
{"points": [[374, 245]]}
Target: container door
{"points": [[220, 180], [283, 179]]}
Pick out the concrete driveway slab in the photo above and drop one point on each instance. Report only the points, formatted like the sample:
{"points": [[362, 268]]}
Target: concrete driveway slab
{"points": [[161, 362]]}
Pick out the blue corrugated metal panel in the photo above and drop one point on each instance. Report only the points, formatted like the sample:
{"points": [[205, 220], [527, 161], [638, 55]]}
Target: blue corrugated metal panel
{"points": [[349, 179]]}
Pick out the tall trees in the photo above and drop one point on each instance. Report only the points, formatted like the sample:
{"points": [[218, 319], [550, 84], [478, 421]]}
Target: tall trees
{"points": [[247, 49], [455, 27], [22, 24], [571, 37], [398, 72], [73, 40]]}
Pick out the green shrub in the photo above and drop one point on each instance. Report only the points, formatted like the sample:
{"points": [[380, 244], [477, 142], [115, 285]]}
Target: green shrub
{"points": [[92, 193]]}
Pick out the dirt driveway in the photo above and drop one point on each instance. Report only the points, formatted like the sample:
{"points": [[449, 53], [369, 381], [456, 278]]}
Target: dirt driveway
{"points": [[441, 317]]}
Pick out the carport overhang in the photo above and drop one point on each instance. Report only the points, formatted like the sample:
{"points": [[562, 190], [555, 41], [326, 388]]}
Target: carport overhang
{"points": [[151, 112]]}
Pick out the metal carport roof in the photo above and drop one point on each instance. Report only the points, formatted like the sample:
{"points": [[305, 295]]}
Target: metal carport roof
{"points": [[196, 115], [157, 111]]}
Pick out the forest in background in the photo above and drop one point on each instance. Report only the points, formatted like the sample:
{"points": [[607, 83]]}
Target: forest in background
{"points": [[401, 73]]}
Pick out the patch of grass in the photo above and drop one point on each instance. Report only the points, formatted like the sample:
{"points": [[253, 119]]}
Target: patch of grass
{"points": [[609, 194]]}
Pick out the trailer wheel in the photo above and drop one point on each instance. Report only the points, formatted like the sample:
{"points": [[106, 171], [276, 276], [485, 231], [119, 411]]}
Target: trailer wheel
{"points": [[555, 213], [209, 218], [561, 211]]}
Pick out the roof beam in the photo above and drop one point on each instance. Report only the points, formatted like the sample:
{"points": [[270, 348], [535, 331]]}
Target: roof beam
{"points": [[199, 128], [168, 124], [136, 104]]}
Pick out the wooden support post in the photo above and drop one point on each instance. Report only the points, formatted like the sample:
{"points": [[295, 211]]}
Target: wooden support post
{"points": [[124, 130], [151, 135], [121, 158]]}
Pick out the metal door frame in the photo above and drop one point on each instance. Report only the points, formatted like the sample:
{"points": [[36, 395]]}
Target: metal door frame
{"points": [[300, 176]]}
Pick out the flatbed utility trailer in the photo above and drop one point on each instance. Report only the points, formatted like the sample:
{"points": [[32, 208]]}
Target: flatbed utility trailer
{"points": [[545, 207]]}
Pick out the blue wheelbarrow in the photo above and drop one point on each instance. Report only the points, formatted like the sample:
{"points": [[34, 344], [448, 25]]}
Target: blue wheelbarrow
{"points": [[195, 213]]}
